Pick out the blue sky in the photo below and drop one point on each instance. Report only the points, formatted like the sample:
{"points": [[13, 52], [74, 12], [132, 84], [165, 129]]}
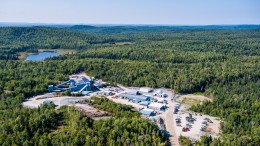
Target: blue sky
{"points": [[168, 12]]}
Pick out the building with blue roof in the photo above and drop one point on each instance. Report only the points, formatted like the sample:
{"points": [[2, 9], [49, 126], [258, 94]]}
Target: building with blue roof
{"points": [[145, 103], [134, 97], [81, 84], [74, 85], [147, 112]]}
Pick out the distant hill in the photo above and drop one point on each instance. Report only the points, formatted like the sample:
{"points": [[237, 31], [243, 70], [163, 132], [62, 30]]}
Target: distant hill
{"points": [[148, 28], [82, 27], [133, 28], [23, 38]]}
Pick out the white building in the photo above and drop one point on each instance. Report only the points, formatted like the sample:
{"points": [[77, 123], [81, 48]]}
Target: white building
{"points": [[160, 93], [156, 106], [146, 89], [160, 100]]}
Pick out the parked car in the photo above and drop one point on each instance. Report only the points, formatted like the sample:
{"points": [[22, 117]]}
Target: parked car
{"points": [[210, 121], [204, 122], [185, 129]]}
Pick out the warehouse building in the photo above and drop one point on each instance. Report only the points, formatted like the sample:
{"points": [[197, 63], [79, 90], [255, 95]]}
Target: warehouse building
{"points": [[133, 92], [156, 106], [135, 98], [147, 112], [146, 89], [145, 103]]}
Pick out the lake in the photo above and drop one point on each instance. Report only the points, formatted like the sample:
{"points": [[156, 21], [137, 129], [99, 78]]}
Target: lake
{"points": [[41, 56]]}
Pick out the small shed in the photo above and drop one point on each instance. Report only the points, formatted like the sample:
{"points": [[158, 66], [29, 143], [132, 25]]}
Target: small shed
{"points": [[50, 88], [147, 112], [156, 106], [47, 102]]}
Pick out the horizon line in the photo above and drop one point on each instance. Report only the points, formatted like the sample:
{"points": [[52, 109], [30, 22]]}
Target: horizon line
{"points": [[114, 24]]}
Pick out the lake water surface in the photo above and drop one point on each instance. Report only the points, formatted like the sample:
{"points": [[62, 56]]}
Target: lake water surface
{"points": [[41, 56]]}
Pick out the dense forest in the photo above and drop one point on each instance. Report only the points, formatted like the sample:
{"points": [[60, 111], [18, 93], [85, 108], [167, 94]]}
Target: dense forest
{"points": [[67, 126], [224, 64]]}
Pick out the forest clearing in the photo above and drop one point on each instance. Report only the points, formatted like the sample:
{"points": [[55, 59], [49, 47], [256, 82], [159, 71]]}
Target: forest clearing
{"points": [[168, 115]]}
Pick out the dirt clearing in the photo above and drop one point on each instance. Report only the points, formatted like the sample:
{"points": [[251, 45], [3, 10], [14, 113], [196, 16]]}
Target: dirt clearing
{"points": [[91, 111]]}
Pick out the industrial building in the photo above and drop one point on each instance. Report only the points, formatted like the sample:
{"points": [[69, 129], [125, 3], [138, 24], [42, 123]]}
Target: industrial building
{"points": [[81, 84], [133, 92], [145, 103], [134, 98], [147, 112], [77, 84], [156, 106], [146, 89]]}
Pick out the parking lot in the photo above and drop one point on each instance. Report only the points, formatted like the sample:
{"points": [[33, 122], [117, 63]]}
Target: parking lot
{"points": [[193, 129]]}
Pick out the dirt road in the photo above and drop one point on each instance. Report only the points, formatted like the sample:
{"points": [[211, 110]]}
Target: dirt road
{"points": [[169, 123]]}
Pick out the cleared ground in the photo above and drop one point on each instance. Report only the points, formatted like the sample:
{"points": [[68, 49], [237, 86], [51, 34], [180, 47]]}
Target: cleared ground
{"points": [[58, 101], [194, 133], [191, 99], [168, 117], [92, 112]]}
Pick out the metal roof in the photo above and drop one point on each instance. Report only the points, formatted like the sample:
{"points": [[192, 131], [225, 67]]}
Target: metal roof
{"points": [[146, 111], [47, 102], [82, 80], [145, 89], [131, 96], [157, 105], [99, 84], [144, 102]]}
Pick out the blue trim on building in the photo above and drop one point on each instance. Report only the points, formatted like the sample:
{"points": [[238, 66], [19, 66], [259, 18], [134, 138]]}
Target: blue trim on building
{"points": [[146, 113], [145, 103]]}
